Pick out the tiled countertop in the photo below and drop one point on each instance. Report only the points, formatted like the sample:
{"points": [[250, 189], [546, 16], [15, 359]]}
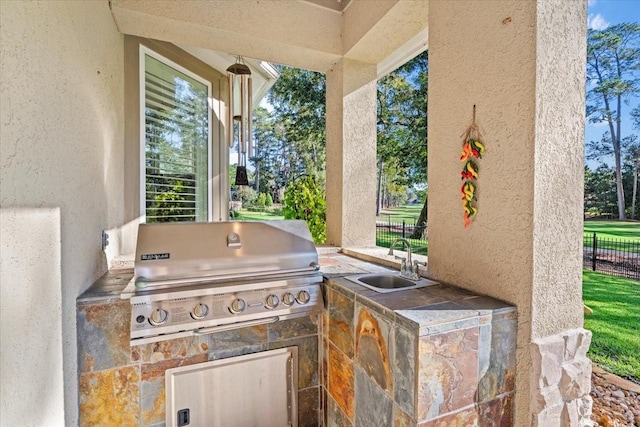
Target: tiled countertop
{"points": [[432, 309]]}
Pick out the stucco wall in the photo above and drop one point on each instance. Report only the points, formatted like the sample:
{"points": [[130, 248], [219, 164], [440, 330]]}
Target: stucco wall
{"points": [[559, 164], [30, 318], [61, 115], [506, 58], [351, 162]]}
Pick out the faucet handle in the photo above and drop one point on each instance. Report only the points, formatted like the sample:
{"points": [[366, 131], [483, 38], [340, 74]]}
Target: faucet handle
{"points": [[415, 268], [403, 265]]}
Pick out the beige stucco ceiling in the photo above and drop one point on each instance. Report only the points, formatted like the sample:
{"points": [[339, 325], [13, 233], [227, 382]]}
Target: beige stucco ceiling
{"points": [[310, 34]]}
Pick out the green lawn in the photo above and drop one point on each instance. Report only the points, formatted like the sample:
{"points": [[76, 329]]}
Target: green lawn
{"points": [[408, 213], [619, 230], [615, 323], [384, 239], [245, 215]]}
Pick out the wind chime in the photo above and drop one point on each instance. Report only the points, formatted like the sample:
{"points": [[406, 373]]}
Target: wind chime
{"points": [[239, 117]]}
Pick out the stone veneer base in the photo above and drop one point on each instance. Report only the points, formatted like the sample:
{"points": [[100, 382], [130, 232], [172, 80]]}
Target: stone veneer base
{"points": [[561, 380]]}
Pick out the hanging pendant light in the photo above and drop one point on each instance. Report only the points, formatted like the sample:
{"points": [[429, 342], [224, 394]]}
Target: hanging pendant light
{"points": [[240, 87]]}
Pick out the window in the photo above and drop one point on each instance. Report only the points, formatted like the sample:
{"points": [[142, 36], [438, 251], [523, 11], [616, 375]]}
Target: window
{"points": [[175, 150]]}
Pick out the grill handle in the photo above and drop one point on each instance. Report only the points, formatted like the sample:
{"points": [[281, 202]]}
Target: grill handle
{"points": [[207, 331]]}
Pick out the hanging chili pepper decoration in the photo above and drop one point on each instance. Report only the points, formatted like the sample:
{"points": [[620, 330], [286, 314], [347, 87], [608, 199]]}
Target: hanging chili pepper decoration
{"points": [[472, 149]]}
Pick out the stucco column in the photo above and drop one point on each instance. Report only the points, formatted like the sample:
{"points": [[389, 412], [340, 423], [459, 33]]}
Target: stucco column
{"points": [[522, 65], [351, 153]]}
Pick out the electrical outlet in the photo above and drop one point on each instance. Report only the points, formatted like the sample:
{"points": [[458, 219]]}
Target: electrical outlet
{"points": [[104, 239]]}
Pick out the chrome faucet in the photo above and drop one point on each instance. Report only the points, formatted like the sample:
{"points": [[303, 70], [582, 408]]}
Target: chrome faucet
{"points": [[408, 268]]}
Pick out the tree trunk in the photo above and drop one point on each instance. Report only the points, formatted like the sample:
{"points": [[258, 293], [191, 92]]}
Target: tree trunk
{"points": [[634, 193], [378, 191], [619, 188], [618, 154], [420, 230], [615, 143]]}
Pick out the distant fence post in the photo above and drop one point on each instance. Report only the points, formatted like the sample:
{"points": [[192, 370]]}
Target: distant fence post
{"points": [[403, 229], [593, 252]]}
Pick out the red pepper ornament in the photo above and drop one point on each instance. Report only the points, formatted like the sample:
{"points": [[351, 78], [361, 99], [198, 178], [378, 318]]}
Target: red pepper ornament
{"points": [[472, 148]]}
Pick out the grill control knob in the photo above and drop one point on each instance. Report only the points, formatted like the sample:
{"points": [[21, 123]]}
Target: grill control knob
{"points": [[303, 297], [272, 301], [200, 311], [237, 306], [158, 317], [288, 299]]}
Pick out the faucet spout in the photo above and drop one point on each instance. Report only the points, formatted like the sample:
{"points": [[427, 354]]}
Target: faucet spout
{"points": [[407, 244], [407, 268]]}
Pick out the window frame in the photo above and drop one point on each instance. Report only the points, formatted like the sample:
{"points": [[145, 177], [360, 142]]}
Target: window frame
{"points": [[130, 120], [143, 52]]}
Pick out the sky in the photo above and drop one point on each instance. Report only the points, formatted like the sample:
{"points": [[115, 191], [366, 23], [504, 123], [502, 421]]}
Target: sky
{"points": [[601, 14]]}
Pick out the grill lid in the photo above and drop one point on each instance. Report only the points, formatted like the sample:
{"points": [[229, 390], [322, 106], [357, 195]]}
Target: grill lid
{"points": [[180, 253]]}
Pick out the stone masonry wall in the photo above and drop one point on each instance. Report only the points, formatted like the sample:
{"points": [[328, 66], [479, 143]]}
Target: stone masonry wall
{"points": [[382, 369], [124, 385], [561, 380]]}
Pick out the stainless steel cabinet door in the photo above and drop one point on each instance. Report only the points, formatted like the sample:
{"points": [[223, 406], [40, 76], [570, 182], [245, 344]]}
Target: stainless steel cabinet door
{"points": [[255, 390]]}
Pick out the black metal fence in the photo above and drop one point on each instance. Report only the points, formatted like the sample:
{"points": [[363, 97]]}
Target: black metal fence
{"points": [[388, 231], [612, 256]]}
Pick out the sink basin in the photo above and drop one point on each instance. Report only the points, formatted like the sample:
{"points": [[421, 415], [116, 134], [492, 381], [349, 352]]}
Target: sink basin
{"points": [[388, 282]]}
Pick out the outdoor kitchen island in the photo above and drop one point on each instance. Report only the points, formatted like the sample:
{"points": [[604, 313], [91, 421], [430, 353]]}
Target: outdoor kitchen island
{"points": [[429, 357], [434, 356]]}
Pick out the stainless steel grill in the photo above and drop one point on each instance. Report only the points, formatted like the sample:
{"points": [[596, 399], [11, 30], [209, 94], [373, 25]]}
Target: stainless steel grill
{"points": [[199, 278]]}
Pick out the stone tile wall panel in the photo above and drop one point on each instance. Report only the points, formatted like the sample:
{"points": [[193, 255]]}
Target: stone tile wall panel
{"points": [[103, 335], [124, 385], [437, 364], [404, 369], [448, 377], [497, 359], [373, 338], [341, 380], [308, 375], [467, 417], [374, 408], [110, 397], [341, 328]]}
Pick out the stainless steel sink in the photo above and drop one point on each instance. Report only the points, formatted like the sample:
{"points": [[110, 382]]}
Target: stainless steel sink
{"points": [[388, 282]]}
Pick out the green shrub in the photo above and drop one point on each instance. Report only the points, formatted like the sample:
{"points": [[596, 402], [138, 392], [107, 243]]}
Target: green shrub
{"points": [[305, 199]]}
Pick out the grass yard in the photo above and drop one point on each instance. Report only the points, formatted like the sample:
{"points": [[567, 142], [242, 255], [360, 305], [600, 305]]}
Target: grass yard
{"points": [[615, 323], [384, 239], [245, 215], [408, 213], [619, 230]]}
